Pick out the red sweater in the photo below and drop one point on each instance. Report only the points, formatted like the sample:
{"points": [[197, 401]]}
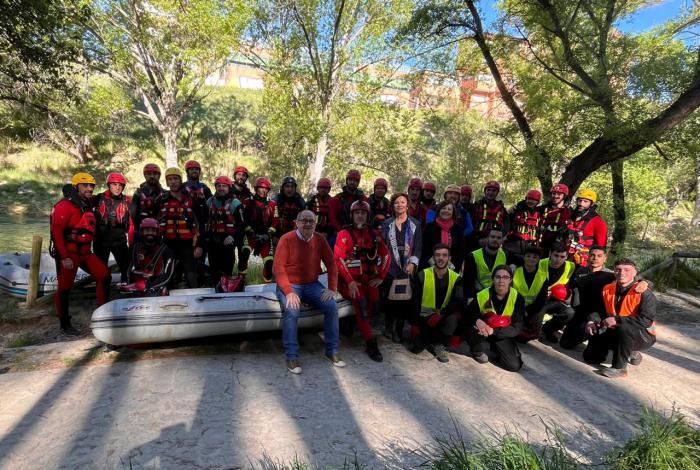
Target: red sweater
{"points": [[299, 262]]}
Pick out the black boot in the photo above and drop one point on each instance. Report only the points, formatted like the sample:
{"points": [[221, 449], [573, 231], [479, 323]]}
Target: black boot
{"points": [[397, 336], [67, 327], [388, 326], [373, 350]]}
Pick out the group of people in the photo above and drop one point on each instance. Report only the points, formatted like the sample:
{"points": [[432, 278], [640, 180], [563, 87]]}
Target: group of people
{"points": [[456, 269]]}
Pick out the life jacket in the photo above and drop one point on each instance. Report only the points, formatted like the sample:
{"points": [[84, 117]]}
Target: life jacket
{"points": [[177, 218], [418, 211], [287, 209], [488, 311], [530, 292], [241, 194], [113, 212], [554, 218], [487, 216], [525, 223], [83, 232], [569, 269], [381, 210], [363, 258], [259, 214], [346, 199], [321, 209], [148, 261], [148, 200], [429, 297], [483, 272], [580, 244], [222, 220], [630, 304]]}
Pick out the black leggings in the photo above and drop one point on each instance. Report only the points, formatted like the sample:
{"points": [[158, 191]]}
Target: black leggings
{"points": [[506, 348], [122, 255], [222, 258]]}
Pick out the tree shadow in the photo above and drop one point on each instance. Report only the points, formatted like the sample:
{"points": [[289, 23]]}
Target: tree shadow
{"points": [[691, 365]]}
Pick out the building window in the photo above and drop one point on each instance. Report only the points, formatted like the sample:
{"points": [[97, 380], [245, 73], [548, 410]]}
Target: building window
{"points": [[251, 83]]}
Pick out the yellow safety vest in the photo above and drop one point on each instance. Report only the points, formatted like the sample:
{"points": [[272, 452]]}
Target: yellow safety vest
{"points": [[483, 272], [485, 304], [529, 293], [428, 300], [565, 277]]}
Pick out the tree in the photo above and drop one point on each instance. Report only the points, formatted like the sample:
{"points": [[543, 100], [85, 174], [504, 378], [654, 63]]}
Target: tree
{"points": [[317, 51], [164, 50]]}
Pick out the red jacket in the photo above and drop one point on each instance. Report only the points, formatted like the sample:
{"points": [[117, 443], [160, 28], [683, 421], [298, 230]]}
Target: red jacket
{"points": [[339, 208], [360, 252], [73, 227], [585, 232]]}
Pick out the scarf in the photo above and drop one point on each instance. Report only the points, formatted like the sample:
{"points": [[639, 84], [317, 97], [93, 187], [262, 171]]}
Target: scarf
{"points": [[408, 242], [445, 226]]}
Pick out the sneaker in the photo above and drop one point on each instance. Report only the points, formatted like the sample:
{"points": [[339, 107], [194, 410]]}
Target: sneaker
{"points": [[612, 373], [481, 358], [438, 350], [70, 331], [335, 360], [636, 358], [293, 366]]}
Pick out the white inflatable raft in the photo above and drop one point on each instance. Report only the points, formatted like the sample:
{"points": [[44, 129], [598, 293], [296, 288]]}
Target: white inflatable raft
{"points": [[198, 313], [14, 274]]}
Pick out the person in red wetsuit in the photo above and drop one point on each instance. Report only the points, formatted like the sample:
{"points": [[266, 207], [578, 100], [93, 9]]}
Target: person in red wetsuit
{"points": [[319, 204], [416, 209], [488, 213], [73, 227], [180, 227], [144, 202], [260, 217], [240, 190], [288, 204], [554, 218], [341, 202], [224, 229], [524, 223], [198, 191], [379, 204], [115, 231], [362, 259], [152, 264], [586, 228]]}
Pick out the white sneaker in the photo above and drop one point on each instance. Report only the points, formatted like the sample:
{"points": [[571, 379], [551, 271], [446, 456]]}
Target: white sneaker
{"points": [[293, 366], [335, 360]]}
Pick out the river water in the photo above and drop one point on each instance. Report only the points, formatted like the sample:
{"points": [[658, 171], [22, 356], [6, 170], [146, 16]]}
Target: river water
{"points": [[16, 232]]}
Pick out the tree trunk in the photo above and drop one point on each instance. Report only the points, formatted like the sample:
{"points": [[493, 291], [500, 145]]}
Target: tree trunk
{"points": [[169, 136], [696, 212], [319, 161], [620, 215]]}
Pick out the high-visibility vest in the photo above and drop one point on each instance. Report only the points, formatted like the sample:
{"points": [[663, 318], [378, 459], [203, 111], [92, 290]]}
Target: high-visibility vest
{"points": [[428, 300], [530, 292], [483, 272], [569, 269], [628, 308], [486, 306]]}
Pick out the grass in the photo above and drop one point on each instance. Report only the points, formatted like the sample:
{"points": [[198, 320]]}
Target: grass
{"points": [[22, 340], [662, 443]]}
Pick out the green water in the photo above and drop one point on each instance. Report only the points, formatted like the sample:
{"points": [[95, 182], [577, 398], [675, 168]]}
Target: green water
{"points": [[16, 232]]}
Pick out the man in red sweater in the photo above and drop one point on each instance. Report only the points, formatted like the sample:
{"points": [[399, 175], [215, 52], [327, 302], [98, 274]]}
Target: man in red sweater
{"points": [[297, 267]]}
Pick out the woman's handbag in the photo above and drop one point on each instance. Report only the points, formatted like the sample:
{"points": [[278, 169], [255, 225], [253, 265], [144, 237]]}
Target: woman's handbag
{"points": [[400, 289]]}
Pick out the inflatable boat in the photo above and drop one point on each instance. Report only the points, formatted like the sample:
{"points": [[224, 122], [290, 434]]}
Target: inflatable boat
{"points": [[198, 313], [14, 274]]}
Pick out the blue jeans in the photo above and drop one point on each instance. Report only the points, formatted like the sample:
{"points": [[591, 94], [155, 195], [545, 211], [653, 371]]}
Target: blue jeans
{"points": [[309, 294]]}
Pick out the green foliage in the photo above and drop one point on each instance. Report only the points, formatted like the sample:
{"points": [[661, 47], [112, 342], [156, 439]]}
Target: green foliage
{"points": [[662, 443]]}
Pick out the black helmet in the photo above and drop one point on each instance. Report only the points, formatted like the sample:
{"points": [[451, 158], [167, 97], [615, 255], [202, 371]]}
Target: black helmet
{"points": [[289, 180]]}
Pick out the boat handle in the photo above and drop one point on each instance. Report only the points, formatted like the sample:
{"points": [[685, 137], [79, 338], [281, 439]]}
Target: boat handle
{"points": [[254, 296]]}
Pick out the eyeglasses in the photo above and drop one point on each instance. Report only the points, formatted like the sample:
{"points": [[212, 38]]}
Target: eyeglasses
{"points": [[307, 221], [501, 278]]}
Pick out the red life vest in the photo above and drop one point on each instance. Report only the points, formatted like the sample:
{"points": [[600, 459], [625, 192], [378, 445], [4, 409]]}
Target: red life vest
{"points": [[259, 214], [345, 200], [629, 306], [221, 220], [241, 194], [287, 211], [321, 209], [83, 233], [361, 250], [525, 223], [113, 212], [148, 200], [554, 218], [177, 218], [487, 216], [148, 262]]}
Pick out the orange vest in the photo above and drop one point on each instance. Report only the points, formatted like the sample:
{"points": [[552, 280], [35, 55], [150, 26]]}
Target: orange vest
{"points": [[630, 303]]}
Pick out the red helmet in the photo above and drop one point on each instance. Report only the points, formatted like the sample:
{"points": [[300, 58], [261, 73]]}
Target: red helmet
{"points": [[241, 169], [353, 175], [415, 183], [560, 188], [151, 168], [559, 292], [223, 180], [323, 183], [534, 194], [492, 185], [192, 164], [498, 321], [381, 182], [429, 187], [466, 190], [149, 223], [360, 206], [262, 182], [116, 178]]}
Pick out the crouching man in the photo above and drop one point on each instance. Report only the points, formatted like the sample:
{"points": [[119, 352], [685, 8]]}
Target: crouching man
{"points": [[439, 295], [627, 326], [152, 264], [297, 267]]}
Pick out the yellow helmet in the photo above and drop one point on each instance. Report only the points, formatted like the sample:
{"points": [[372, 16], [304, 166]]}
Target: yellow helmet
{"points": [[587, 194], [452, 188], [82, 178], [173, 171]]}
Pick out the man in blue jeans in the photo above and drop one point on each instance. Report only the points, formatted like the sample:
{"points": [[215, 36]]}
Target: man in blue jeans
{"points": [[297, 267]]}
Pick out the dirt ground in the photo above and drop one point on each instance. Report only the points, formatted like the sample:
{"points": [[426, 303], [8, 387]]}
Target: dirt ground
{"points": [[230, 403]]}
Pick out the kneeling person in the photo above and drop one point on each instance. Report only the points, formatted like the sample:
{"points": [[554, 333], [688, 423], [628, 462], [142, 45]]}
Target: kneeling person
{"points": [[439, 294], [497, 315], [152, 264], [297, 266]]}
